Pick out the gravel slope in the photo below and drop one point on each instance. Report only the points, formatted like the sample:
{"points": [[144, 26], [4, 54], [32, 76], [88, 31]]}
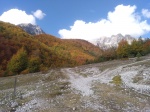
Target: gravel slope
{"points": [[88, 88]]}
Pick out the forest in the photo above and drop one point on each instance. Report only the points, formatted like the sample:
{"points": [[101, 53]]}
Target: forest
{"points": [[22, 53], [139, 47]]}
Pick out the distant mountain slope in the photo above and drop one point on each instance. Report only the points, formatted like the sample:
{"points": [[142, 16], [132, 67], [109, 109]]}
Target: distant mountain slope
{"points": [[107, 42], [76, 49], [31, 29], [48, 50]]}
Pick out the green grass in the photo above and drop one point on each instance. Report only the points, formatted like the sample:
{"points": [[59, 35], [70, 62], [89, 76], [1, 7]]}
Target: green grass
{"points": [[117, 80]]}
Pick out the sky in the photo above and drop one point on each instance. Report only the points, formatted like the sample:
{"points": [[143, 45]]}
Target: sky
{"points": [[81, 19]]}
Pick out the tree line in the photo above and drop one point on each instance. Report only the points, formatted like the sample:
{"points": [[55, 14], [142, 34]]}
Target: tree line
{"points": [[137, 48]]}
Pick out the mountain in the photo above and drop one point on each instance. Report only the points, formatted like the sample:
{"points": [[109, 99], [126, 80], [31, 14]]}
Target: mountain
{"points": [[31, 29], [45, 51], [107, 42]]}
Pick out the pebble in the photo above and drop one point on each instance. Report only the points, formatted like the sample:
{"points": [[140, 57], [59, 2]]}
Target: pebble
{"points": [[13, 110], [73, 108], [14, 104]]}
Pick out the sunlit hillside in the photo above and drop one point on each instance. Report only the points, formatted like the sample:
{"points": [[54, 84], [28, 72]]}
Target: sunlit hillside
{"points": [[45, 51], [80, 51]]}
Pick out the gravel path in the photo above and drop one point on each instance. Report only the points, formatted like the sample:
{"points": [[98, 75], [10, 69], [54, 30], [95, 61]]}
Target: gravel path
{"points": [[87, 88]]}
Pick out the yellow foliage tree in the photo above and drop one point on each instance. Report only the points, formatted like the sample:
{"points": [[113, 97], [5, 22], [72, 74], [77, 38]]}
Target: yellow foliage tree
{"points": [[123, 49], [18, 62]]}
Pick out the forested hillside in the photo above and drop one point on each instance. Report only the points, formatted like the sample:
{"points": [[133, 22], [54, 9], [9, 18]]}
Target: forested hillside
{"points": [[137, 48], [80, 51], [40, 52]]}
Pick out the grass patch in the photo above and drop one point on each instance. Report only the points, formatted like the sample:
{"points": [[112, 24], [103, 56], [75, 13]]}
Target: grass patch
{"points": [[72, 100], [59, 89], [116, 80], [137, 79], [84, 75], [55, 93], [55, 75], [54, 90], [7, 84], [23, 101]]}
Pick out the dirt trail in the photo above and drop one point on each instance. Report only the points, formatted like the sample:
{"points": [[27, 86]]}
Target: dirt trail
{"points": [[89, 80], [84, 84]]}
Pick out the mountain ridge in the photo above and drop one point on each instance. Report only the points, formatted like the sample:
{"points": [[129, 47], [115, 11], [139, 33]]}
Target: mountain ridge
{"points": [[108, 42], [31, 29]]}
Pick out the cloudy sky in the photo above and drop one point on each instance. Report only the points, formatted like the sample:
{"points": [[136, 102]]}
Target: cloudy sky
{"points": [[84, 19]]}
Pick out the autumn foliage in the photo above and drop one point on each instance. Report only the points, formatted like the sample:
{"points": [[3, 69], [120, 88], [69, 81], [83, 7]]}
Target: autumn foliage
{"points": [[18, 62], [125, 50], [24, 53]]}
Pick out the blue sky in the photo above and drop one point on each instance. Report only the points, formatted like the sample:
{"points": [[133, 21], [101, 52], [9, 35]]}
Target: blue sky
{"points": [[76, 18]]}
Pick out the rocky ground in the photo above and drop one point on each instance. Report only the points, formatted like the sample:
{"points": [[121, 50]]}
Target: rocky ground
{"points": [[114, 86]]}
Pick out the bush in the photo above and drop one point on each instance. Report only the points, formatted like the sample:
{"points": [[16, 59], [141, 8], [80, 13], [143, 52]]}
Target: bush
{"points": [[117, 80], [138, 56]]}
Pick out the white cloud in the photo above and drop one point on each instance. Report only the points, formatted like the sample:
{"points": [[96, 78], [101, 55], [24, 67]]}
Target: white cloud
{"points": [[16, 16], [122, 20], [39, 14], [146, 13]]}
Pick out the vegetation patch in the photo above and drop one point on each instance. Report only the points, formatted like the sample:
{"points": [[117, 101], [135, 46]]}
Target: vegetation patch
{"points": [[54, 76], [116, 80], [138, 57], [84, 75], [137, 79]]}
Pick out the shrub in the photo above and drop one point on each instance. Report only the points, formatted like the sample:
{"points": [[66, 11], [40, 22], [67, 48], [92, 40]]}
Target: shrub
{"points": [[138, 56], [117, 80]]}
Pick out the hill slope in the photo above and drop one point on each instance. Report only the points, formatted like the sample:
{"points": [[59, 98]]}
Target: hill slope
{"points": [[78, 50], [48, 50]]}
